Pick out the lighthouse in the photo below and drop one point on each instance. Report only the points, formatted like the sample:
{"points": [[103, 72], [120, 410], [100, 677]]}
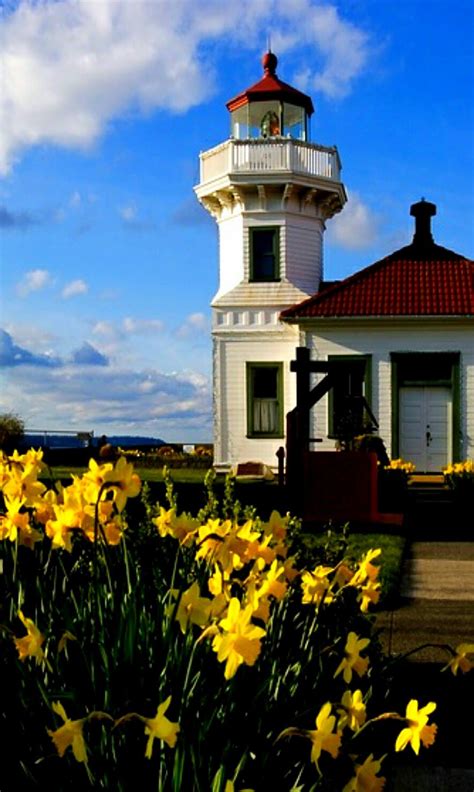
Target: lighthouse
{"points": [[270, 190]]}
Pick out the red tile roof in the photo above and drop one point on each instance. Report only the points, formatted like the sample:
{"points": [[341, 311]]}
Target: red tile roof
{"points": [[417, 280]]}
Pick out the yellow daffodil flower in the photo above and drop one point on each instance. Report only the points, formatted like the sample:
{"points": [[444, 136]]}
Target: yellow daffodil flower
{"points": [[460, 662], [44, 508], [316, 586], [366, 569], [164, 522], [369, 595], [96, 473], [277, 526], [126, 483], [239, 641], [291, 572], [30, 644], [352, 660], [366, 778], [59, 530], [184, 529], [417, 729], [160, 728], [323, 738], [192, 608], [23, 484], [353, 714], [343, 574], [219, 542], [69, 735], [15, 524]]}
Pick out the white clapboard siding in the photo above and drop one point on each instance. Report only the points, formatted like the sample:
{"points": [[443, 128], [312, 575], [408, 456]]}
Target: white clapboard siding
{"points": [[303, 252], [382, 338], [231, 354]]}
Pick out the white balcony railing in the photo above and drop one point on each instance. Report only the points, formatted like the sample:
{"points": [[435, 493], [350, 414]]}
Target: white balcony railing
{"points": [[266, 156]]}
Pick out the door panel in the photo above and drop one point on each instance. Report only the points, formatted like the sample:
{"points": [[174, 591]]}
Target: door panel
{"points": [[425, 427]]}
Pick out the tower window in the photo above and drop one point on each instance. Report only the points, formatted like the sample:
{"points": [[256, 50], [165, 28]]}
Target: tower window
{"points": [[264, 399], [264, 254]]}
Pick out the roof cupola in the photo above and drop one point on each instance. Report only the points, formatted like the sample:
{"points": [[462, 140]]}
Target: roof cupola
{"points": [[270, 108], [423, 211]]}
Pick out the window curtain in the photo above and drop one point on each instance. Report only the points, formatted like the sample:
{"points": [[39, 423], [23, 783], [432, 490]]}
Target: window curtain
{"points": [[265, 416]]}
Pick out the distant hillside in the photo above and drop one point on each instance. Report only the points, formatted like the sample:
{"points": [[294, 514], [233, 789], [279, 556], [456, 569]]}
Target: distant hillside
{"points": [[73, 441]]}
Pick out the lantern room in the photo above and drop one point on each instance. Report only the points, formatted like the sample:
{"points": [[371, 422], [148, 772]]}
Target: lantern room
{"points": [[270, 108]]}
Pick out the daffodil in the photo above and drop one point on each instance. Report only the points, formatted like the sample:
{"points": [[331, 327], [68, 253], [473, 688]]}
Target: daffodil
{"points": [[460, 662], [352, 660], [366, 778], [125, 483], [69, 735], [366, 569], [164, 522], [160, 728], [239, 640], [94, 479], [277, 526], [353, 711], [15, 524], [30, 645], [417, 729], [323, 737], [316, 586], [23, 484], [192, 608], [219, 542], [369, 594]]}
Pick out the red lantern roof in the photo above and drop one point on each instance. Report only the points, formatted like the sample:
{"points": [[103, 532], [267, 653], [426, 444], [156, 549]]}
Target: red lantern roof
{"points": [[270, 87]]}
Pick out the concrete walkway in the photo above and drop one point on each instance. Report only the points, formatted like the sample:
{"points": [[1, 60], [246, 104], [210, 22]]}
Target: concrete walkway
{"points": [[437, 601], [436, 607]]}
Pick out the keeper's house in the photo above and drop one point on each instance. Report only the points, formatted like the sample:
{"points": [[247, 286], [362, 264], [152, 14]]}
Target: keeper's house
{"points": [[408, 318]]}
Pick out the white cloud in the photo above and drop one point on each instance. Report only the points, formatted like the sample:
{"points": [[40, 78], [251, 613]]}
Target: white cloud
{"points": [[74, 288], [33, 280], [71, 67], [356, 227], [344, 48], [176, 407], [142, 326], [105, 329], [194, 324]]}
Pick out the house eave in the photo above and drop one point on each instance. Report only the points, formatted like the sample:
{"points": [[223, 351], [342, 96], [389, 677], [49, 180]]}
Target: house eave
{"points": [[313, 320]]}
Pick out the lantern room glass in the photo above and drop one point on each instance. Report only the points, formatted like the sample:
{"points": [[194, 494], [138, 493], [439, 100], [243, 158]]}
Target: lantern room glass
{"points": [[269, 119]]}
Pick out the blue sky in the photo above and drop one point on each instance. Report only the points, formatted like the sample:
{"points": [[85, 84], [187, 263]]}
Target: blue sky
{"points": [[108, 263]]}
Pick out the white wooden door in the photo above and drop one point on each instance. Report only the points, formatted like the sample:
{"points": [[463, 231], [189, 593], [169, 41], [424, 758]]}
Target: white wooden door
{"points": [[425, 427]]}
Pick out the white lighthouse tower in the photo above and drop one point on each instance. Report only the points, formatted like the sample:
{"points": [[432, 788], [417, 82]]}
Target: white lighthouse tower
{"points": [[271, 191]]}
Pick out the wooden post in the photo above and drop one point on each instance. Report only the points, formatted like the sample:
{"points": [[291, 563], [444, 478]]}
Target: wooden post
{"points": [[281, 466]]}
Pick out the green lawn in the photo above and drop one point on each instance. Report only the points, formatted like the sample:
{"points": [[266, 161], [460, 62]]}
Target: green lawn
{"points": [[179, 475]]}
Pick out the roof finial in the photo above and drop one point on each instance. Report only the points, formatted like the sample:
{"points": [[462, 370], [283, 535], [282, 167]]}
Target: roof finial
{"points": [[269, 62], [423, 211]]}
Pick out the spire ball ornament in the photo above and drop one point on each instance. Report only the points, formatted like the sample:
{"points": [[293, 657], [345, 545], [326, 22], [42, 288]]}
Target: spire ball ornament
{"points": [[269, 62]]}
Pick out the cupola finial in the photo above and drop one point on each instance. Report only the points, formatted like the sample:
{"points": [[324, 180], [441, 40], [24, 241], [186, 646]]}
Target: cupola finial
{"points": [[269, 62], [423, 211]]}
